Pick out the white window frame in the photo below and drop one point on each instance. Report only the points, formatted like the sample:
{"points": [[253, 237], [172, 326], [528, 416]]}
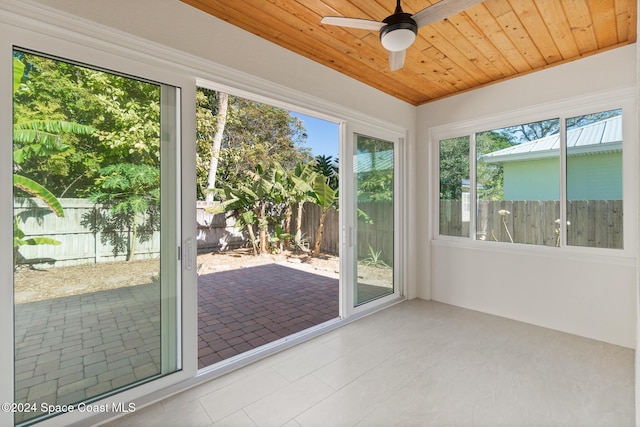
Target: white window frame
{"points": [[24, 34], [349, 218], [624, 98]]}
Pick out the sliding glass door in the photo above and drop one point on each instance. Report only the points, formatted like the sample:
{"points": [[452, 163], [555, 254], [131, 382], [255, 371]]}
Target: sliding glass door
{"points": [[375, 213], [94, 233]]}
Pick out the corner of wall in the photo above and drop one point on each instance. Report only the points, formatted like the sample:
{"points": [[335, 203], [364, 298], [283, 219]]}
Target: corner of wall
{"points": [[422, 233], [637, 379]]}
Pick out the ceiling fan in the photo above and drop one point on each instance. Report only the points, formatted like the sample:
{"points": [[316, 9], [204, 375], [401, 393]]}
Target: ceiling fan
{"points": [[398, 31]]}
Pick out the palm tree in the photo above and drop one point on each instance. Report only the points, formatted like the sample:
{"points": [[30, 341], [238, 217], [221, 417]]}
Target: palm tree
{"points": [[327, 166]]}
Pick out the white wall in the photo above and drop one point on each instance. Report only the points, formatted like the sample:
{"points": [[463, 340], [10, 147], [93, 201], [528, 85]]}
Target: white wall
{"points": [[592, 296], [594, 299]]}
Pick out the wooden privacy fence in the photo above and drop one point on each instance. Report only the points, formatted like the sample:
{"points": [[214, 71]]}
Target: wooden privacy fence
{"points": [[377, 235], [310, 220], [592, 223], [216, 232], [80, 243]]}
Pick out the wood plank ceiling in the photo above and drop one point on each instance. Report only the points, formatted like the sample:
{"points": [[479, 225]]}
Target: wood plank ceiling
{"points": [[489, 42]]}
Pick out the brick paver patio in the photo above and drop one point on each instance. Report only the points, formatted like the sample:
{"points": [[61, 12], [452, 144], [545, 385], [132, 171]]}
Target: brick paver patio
{"points": [[246, 308], [73, 348]]}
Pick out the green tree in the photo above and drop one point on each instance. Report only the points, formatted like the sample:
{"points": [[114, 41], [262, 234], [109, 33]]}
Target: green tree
{"points": [[36, 139], [270, 184], [326, 198], [239, 202], [98, 136], [536, 130], [454, 167], [327, 166], [374, 170], [129, 195], [489, 176], [124, 113], [211, 120], [254, 134], [531, 131], [376, 186], [19, 238]]}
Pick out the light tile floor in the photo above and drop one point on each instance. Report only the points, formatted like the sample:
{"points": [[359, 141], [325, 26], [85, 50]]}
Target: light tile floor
{"points": [[418, 363]]}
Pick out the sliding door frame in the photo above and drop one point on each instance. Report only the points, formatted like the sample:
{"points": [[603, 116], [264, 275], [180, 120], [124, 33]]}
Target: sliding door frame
{"points": [[349, 215], [26, 34]]}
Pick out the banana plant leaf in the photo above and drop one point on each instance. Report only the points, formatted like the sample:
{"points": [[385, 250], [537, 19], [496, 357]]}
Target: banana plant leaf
{"points": [[325, 195], [30, 186], [32, 241]]}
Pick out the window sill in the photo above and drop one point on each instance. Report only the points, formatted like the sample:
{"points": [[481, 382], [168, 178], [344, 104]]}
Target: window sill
{"points": [[624, 257]]}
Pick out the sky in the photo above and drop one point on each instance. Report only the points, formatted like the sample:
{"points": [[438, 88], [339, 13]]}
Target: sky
{"points": [[322, 136]]}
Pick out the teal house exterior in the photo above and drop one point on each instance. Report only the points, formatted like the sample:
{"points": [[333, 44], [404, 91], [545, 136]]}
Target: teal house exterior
{"points": [[594, 164]]}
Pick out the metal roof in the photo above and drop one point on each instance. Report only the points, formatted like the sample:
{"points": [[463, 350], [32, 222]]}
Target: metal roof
{"points": [[374, 161], [597, 137]]}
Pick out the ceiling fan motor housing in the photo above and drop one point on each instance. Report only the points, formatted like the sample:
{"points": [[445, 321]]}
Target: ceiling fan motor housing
{"points": [[399, 33]]}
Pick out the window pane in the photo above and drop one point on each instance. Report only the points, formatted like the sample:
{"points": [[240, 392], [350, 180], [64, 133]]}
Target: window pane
{"points": [[93, 304], [518, 183], [373, 165], [455, 204], [594, 180]]}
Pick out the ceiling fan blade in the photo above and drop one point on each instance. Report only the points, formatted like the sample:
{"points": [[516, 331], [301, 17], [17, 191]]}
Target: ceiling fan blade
{"points": [[364, 24], [396, 59], [442, 10]]}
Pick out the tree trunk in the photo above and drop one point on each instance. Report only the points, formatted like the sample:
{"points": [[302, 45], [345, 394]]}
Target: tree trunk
{"points": [[221, 121], [133, 236], [316, 248], [287, 228], [262, 226], [253, 239]]}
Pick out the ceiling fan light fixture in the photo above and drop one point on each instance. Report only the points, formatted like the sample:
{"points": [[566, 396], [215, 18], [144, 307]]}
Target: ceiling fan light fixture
{"points": [[397, 39], [399, 33], [399, 30]]}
